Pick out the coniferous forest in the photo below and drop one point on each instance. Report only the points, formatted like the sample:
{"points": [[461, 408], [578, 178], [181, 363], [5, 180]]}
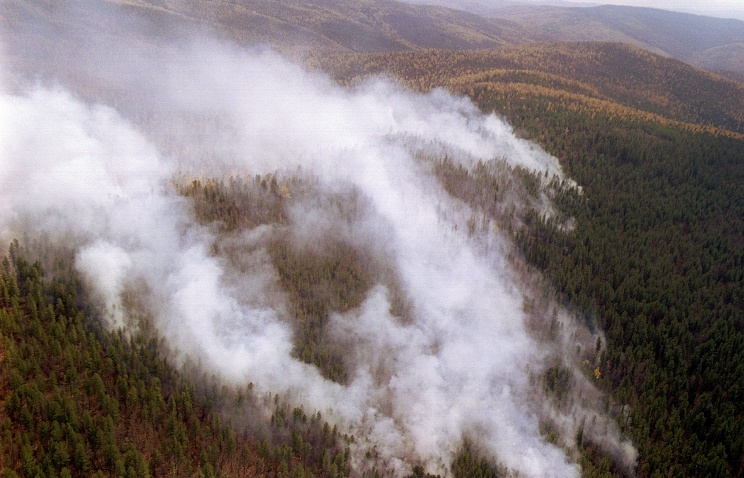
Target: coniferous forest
{"points": [[646, 251], [656, 259]]}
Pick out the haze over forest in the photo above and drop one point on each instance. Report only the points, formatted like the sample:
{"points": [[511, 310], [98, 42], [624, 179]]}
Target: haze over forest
{"points": [[714, 8], [370, 238]]}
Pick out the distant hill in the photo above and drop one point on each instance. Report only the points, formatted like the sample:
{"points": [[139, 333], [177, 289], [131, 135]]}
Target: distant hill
{"points": [[713, 43], [351, 25], [382, 25], [47, 37], [586, 74]]}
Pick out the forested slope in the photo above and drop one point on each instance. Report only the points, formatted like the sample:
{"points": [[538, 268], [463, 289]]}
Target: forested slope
{"points": [[657, 259], [590, 76], [657, 255], [79, 400], [654, 256]]}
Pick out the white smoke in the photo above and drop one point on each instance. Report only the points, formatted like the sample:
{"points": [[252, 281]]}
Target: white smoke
{"points": [[459, 369]]}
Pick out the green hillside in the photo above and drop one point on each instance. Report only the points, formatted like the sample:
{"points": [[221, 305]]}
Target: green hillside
{"points": [[79, 400], [656, 258]]}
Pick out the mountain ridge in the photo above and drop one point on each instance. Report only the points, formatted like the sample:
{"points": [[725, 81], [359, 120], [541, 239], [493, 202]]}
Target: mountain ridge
{"points": [[627, 75], [615, 73], [685, 36], [367, 26]]}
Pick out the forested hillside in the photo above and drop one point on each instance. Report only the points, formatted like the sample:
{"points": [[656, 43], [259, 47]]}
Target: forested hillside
{"points": [[657, 256], [611, 77], [626, 267], [657, 259], [79, 400]]}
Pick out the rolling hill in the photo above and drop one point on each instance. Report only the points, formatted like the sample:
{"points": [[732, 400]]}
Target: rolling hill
{"points": [[601, 76], [318, 24], [713, 43], [386, 25]]}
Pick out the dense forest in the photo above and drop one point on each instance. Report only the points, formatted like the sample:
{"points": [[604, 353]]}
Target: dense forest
{"points": [[657, 260], [657, 255], [83, 401], [612, 77]]}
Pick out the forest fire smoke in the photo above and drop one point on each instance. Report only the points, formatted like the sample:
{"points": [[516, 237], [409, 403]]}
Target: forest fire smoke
{"points": [[461, 364]]}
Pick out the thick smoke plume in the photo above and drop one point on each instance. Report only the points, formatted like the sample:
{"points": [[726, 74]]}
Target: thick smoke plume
{"points": [[463, 364]]}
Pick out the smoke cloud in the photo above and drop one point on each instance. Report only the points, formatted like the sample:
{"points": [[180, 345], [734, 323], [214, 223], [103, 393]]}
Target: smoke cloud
{"points": [[462, 364]]}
